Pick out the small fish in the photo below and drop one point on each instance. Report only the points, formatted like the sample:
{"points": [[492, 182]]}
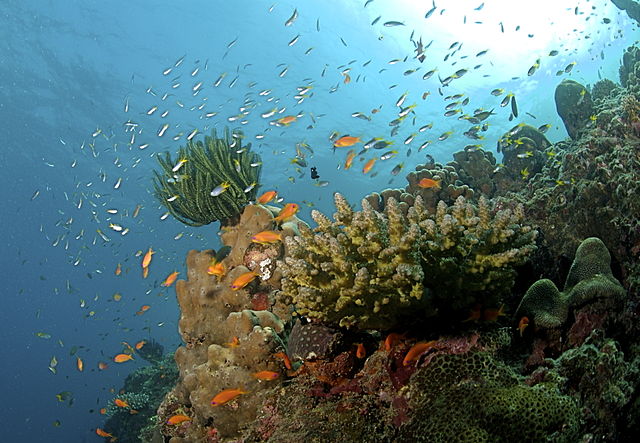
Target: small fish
{"points": [[216, 268], [497, 91], [533, 68], [522, 324], [294, 40], [243, 280], [79, 364], [140, 344], [267, 197], [544, 128], [121, 403], [226, 396], [387, 155], [289, 210], [171, 278], [396, 170], [346, 141], [361, 351], [267, 237], [445, 135], [505, 100], [569, 67], [177, 419], [285, 359], [146, 260], [103, 433], [428, 183], [121, 358], [349, 160], [292, 19], [416, 351], [266, 375], [514, 106], [553, 53], [428, 74], [220, 189], [392, 23], [392, 339], [368, 165]]}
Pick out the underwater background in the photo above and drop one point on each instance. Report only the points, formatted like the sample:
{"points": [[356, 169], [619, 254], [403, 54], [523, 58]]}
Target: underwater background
{"points": [[91, 92]]}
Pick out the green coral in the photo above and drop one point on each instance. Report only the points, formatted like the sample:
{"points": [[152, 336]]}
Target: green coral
{"points": [[186, 193], [589, 278], [473, 397], [369, 269]]}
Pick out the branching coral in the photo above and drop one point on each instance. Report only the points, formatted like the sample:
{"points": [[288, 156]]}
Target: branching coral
{"points": [[369, 269], [185, 185]]}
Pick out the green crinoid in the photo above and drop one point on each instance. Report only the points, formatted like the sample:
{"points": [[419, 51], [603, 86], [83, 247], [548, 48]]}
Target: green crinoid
{"points": [[186, 192]]}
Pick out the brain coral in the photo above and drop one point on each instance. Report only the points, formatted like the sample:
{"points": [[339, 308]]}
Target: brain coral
{"points": [[589, 278]]}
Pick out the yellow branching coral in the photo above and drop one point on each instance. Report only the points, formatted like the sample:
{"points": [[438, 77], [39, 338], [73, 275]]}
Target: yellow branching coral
{"points": [[362, 269], [369, 269]]}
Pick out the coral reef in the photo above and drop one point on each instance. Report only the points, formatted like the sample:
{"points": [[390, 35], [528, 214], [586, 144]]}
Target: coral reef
{"points": [[226, 342], [603, 89], [143, 390], [630, 70], [207, 181], [523, 154], [369, 270], [589, 278], [574, 106]]}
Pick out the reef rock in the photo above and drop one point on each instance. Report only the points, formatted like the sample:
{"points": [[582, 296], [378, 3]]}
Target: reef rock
{"points": [[574, 106]]}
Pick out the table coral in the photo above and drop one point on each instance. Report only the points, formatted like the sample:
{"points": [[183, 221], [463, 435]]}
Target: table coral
{"points": [[369, 269], [589, 278]]}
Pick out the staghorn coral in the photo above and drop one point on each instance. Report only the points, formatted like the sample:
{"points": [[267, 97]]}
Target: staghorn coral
{"points": [[186, 193], [589, 278], [369, 269]]}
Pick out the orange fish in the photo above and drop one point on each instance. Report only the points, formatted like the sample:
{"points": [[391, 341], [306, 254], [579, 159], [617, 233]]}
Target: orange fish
{"points": [[103, 411], [266, 375], [368, 165], [140, 344], [522, 324], [392, 339], [267, 197], [347, 78], [285, 359], [118, 270], [121, 403], [177, 419], [475, 314], [145, 272], [361, 352], [170, 279], [146, 260], [427, 183], [102, 365], [416, 351], [217, 269], [235, 341], [79, 364], [345, 141], [226, 396], [287, 119], [266, 237], [243, 280], [121, 358], [349, 160], [103, 433], [143, 309], [287, 212], [493, 313]]}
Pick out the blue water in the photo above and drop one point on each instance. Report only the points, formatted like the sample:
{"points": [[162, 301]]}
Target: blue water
{"points": [[74, 72]]}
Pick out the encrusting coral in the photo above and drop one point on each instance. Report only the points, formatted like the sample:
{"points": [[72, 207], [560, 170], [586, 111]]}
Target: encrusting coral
{"points": [[222, 166], [369, 269], [589, 278]]}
